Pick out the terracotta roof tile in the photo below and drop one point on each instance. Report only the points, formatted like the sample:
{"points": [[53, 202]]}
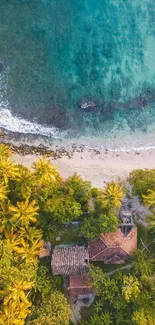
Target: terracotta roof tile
{"points": [[96, 247], [113, 244], [78, 285], [108, 252], [113, 239], [130, 241]]}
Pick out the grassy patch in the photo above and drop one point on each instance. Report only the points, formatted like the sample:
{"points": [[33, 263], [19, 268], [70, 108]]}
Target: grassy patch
{"points": [[70, 235]]}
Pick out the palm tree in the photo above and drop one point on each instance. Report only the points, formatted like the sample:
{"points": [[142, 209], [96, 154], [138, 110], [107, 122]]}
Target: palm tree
{"points": [[121, 317], [27, 247], [24, 181], [149, 198], [24, 213], [14, 313], [3, 191], [94, 320], [112, 196], [12, 238], [142, 263], [5, 151], [27, 251], [30, 234], [7, 170], [4, 216], [16, 292], [44, 171], [106, 318], [98, 307]]}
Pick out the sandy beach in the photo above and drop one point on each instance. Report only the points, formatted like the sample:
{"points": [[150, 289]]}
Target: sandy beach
{"points": [[96, 166]]}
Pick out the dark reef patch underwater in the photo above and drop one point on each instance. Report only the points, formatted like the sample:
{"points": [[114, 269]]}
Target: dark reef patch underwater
{"points": [[87, 66]]}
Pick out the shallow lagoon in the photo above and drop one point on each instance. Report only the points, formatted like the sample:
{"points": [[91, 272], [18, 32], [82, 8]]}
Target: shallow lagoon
{"points": [[58, 52]]}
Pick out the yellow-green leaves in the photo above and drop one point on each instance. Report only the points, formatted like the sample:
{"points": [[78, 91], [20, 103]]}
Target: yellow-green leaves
{"points": [[54, 310], [112, 196], [7, 170], [28, 252], [143, 317], [24, 213], [149, 198], [45, 172], [130, 288], [27, 244], [14, 313], [25, 181], [5, 151], [16, 292], [21, 242], [3, 191]]}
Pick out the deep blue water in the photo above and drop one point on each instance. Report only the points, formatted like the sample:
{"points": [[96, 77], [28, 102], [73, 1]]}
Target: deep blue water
{"points": [[58, 52]]}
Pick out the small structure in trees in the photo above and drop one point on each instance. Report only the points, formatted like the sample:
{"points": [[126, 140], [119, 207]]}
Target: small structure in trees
{"points": [[115, 247], [45, 249], [79, 286], [72, 260]]}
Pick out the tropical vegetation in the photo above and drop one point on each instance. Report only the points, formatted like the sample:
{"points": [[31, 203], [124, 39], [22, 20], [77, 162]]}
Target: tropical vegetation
{"points": [[38, 205]]}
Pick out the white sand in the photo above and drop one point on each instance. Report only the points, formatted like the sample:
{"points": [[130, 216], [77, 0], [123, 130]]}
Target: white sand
{"points": [[98, 168]]}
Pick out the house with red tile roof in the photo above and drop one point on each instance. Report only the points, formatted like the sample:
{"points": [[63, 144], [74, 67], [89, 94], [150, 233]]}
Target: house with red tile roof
{"points": [[78, 285], [112, 248], [115, 247]]}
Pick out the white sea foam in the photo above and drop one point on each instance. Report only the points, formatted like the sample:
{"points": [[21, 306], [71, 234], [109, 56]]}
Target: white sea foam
{"points": [[126, 149], [17, 124], [20, 125]]}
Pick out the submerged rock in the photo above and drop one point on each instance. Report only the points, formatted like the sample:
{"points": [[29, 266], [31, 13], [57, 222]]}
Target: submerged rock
{"points": [[88, 105], [149, 95], [108, 109], [1, 66], [138, 102]]}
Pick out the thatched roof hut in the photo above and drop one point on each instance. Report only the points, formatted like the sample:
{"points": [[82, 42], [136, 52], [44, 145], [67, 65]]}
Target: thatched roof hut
{"points": [[70, 260]]}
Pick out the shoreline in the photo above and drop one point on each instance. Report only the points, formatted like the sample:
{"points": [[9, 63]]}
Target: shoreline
{"points": [[91, 164], [136, 141], [97, 165]]}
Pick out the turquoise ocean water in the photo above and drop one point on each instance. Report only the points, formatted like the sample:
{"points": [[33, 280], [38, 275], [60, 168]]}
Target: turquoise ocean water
{"points": [[55, 53]]}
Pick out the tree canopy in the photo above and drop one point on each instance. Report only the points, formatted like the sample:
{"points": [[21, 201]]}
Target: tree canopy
{"points": [[37, 205], [21, 234], [142, 181]]}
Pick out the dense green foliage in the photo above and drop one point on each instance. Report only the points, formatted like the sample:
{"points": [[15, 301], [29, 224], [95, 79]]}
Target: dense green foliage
{"points": [[142, 181], [103, 212], [98, 223], [54, 310], [26, 285], [35, 205], [123, 298]]}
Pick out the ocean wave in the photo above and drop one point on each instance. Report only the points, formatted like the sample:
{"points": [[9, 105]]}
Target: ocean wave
{"points": [[17, 124], [20, 125], [129, 149]]}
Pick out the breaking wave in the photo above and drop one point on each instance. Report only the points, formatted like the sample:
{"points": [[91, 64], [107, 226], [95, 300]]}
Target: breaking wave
{"points": [[17, 124], [20, 125]]}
